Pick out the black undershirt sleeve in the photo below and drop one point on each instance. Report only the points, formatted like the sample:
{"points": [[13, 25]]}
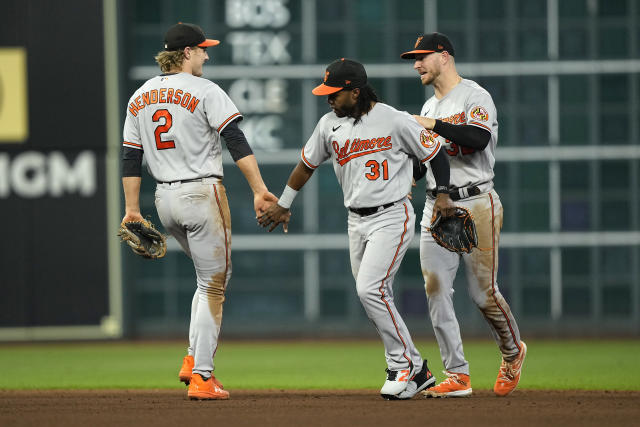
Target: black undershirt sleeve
{"points": [[419, 169], [236, 141], [465, 135], [131, 162], [440, 168]]}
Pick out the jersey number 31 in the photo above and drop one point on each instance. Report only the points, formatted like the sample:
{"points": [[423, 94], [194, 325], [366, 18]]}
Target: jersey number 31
{"points": [[374, 170]]}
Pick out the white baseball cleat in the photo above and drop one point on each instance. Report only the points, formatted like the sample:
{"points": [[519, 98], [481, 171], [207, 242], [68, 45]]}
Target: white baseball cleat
{"points": [[396, 383], [418, 382]]}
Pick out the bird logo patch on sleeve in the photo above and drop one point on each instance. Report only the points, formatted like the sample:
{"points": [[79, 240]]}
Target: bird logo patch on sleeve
{"points": [[479, 113], [427, 139]]}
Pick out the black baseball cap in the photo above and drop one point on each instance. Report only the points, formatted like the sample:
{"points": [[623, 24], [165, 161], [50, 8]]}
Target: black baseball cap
{"points": [[182, 35], [429, 43], [342, 74]]}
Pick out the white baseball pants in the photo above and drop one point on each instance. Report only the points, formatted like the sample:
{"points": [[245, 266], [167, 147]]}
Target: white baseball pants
{"points": [[439, 267], [377, 244], [197, 215]]}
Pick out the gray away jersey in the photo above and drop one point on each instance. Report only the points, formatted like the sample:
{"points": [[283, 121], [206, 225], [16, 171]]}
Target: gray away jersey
{"points": [[466, 104], [176, 120], [371, 158]]}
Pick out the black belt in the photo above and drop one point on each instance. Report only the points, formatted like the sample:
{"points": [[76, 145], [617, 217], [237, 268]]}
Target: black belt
{"points": [[370, 211], [454, 193], [189, 180]]}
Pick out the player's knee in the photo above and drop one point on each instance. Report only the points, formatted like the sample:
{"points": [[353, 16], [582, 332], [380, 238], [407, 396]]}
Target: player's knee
{"points": [[431, 283], [367, 293], [363, 293], [485, 298]]}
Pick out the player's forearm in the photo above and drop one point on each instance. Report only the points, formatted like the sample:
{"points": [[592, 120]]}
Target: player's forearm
{"points": [[249, 168], [465, 135], [441, 171], [419, 169], [299, 176], [426, 122], [131, 187]]}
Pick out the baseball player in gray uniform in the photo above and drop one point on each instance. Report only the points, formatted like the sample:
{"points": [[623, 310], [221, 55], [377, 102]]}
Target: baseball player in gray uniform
{"points": [[462, 116], [176, 119], [371, 145]]}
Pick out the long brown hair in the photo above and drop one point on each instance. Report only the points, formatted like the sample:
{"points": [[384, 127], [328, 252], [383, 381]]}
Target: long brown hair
{"points": [[170, 60]]}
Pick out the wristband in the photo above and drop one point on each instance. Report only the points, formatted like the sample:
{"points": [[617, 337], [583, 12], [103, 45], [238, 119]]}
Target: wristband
{"points": [[287, 197], [442, 189]]}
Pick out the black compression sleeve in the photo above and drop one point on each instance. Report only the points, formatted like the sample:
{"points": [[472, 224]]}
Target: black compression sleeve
{"points": [[131, 162], [236, 141], [419, 169], [465, 135], [440, 168]]}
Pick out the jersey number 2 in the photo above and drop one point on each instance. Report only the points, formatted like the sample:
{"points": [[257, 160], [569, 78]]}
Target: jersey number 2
{"points": [[374, 173], [164, 128]]}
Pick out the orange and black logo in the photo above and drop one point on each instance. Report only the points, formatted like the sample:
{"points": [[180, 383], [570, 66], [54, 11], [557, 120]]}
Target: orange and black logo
{"points": [[326, 76], [427, 139], [479, 113], [418, 42]]}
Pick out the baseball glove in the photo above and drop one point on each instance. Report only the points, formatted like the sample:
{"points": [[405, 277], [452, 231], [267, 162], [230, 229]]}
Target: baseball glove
{"points": [[143, 238], [456, 233]]}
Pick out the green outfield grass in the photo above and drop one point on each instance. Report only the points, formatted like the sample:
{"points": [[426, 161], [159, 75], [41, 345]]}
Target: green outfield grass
{"points": [[572, 364]]}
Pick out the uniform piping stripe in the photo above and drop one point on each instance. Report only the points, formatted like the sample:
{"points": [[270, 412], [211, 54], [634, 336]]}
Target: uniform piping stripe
{"points": [[131, 144], [493, 266], [387, 276], [481, 125], [233, 116], [435, 151], [226, 242], [306, 162]]}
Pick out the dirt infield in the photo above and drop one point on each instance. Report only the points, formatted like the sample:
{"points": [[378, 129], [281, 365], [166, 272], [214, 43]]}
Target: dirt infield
{"points": [[314, 408]]}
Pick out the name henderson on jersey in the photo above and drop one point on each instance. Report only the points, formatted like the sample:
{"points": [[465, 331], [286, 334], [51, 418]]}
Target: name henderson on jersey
{"points": [[164, 96]]}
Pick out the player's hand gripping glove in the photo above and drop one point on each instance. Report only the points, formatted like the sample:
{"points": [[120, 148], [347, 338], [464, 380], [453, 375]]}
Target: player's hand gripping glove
{"points": [[143, 238], [456, 233]]}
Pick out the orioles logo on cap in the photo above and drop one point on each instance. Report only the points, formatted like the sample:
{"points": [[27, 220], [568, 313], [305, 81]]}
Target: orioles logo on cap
{"points": [[326, 76], [418, 42], [440, 47], [427, 139], [347, 82]]}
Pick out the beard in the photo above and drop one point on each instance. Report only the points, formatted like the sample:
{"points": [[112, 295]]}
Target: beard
{"points": [[344, 111], [429, 77]]}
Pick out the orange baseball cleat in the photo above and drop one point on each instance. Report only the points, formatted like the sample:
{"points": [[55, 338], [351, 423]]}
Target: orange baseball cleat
{"points": [[185, 370], [509, 374], [456, 385], [199, 389], [187, 367]]}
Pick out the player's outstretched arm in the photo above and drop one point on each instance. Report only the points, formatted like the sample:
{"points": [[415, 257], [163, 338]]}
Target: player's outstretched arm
{"points": [[262, 198], [279, 213], [131, 186], [426, 122], [465, 135]]}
